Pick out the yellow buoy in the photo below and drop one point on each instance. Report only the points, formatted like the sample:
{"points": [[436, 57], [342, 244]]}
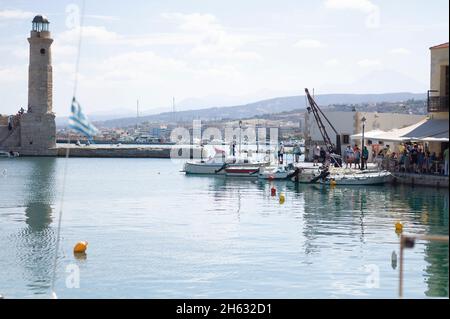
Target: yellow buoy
{"points": [[80, 247], [282, 198], [333, 182], [398, 227]]}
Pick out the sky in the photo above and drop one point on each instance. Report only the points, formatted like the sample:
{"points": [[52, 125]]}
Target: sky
{"points": [[213, 53]]}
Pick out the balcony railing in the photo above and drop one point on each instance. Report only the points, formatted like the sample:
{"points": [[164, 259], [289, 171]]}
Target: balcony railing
{"points": [[437, 104]]}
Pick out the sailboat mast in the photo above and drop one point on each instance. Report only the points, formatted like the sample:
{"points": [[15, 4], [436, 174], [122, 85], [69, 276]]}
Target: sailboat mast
{"points": [[137, 114], [173, 109]]}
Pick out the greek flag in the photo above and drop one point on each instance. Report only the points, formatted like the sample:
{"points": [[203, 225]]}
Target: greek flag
{"points": [[79, 122]]}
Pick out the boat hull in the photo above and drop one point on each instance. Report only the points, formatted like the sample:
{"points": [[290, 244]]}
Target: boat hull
{"points": [[203, 168], [216, 168], [360, 179], [242, 171]]}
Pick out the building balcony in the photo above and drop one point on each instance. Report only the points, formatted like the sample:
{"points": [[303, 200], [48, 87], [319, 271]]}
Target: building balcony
{"points": [[437, 104]]}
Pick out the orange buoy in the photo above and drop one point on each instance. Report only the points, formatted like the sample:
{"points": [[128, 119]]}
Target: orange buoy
{"points": [[80, 247], [398, 227]]}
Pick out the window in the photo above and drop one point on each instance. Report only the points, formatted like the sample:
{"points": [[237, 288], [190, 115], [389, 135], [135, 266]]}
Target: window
{"points": [[346, 139], [42, 51]]}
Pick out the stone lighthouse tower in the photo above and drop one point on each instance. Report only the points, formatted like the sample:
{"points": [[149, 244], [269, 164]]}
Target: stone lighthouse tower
{"points": [[38, 129]]}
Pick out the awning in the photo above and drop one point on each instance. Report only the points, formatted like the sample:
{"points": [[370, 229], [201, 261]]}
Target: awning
{"points": [[427, 130], [430, 131]]}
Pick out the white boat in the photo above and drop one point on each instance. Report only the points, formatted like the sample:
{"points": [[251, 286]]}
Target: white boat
{"points": [[361, 178], [274, 173], [8, 154], [203, 168], [216, 166]]}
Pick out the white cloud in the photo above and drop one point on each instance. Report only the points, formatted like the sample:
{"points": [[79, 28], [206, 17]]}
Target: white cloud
{"points": [[136, 66], [206, 37], [97, 33], [194, 21], [332, 62], [12, 74], [369, 63], [62, 50], [400, 51], [102, 17], [365, 6], [15, 14], [210, 39], [309, 44]]}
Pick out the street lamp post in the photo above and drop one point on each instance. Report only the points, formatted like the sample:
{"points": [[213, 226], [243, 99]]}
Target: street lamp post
{"points": [[363, 120], [240, 136]]}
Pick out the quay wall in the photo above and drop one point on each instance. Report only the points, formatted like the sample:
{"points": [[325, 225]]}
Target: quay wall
{"points": [[421, 180]]}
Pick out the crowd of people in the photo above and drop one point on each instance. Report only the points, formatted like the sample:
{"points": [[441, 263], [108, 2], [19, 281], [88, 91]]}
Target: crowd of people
{"points": [[413, 158], [410, 158], [357, 157]]}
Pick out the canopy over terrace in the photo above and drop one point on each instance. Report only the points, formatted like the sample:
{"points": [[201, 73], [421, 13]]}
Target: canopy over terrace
{"points": [[395, 135], [431, 130]]}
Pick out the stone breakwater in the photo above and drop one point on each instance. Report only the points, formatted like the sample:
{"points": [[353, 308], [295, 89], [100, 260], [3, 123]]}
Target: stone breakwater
{"points": [[122, 151]]}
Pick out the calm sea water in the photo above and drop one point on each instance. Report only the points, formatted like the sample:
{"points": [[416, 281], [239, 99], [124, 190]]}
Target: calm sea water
{"points": [[155, 233]]}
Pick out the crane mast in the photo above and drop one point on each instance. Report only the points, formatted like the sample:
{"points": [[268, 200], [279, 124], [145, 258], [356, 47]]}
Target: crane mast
{"points": [[317, 112]]}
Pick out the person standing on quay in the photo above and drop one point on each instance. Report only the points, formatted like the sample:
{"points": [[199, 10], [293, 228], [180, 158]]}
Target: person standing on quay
{"points": [[365, 157], [281, 153], [357, 152], [316, 154], [349, 154], [446, 161]]}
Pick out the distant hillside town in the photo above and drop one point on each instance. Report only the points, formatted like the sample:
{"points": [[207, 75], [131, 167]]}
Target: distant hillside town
{"points": [[155, 129]]}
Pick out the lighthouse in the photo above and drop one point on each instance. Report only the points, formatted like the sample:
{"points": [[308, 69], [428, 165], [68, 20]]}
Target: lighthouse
{"points": [[38, 129], [40, 73]]}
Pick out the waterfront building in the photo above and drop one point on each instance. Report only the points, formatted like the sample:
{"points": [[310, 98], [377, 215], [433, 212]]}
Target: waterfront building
{"points": [[431, 131], [348, 124], [33, 131]]}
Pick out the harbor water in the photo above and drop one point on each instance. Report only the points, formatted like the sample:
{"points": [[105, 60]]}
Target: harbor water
{"points": [[155, 233]]}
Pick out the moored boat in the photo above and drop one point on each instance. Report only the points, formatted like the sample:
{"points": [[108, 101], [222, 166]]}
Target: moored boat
{"points": [[362, 178], [217, 166]]}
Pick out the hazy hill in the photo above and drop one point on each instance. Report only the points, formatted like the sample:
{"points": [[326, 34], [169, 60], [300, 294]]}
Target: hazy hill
{"points": [[270, 106]]}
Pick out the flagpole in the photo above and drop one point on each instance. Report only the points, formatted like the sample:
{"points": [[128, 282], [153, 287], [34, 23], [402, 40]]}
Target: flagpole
{"points": [[66, 161]]}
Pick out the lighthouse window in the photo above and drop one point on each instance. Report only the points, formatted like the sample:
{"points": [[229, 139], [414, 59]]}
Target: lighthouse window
{"points": [[42, 51]]}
